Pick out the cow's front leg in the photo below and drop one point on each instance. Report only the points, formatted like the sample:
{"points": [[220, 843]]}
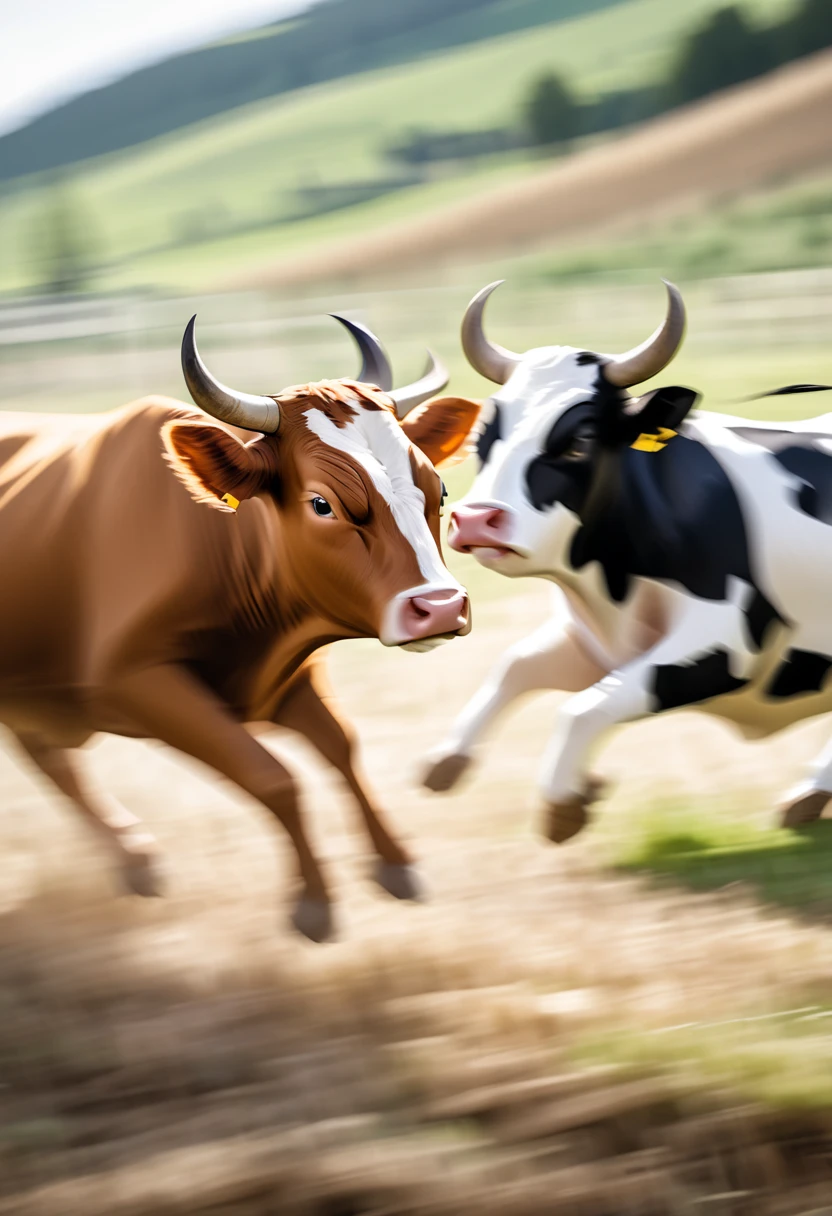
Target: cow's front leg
{"points": [[171, 705], [549, 658], [305, 710], [707, 655]]}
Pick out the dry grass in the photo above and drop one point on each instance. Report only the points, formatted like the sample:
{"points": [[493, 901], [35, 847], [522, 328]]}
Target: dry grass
{"points": [[727, 145], [191, 1056]]}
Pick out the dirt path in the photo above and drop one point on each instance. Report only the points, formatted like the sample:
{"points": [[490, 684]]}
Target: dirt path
{"points": [[191, 1055]]}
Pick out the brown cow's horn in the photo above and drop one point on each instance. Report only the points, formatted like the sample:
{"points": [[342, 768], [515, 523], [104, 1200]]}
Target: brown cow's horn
{"points": [[653, 355], [431, 382], [375, 366], [239, 409], [492, 361]]}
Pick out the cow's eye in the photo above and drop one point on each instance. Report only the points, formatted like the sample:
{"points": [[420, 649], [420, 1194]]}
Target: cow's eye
{"points": [[443, 496], [581, 445], [321, 507]]}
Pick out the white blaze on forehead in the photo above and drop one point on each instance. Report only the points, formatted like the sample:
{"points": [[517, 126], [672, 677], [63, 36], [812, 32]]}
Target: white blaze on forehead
{"points": [[374, 440], [546, 382]]}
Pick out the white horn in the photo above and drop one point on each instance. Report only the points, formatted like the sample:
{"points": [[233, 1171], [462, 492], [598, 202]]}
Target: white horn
{"points": [[492, 361], [653, 355], [239, 409], [431, 382]]}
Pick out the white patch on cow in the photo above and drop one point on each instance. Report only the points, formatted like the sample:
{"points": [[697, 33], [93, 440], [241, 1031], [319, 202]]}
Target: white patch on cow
{"points": [[375, 440]]}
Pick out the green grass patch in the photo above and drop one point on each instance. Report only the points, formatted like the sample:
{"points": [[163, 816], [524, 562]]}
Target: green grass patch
{"points": [[782, 1059], [706, 850]]}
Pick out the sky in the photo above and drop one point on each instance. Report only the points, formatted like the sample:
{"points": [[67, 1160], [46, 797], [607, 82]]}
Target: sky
{"points": [[52, 49]]}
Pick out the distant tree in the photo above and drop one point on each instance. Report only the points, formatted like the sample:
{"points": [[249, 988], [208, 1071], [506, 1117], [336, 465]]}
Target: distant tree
{"points": [[724, 51], [808, 29], [62, 242], [552, 115]]}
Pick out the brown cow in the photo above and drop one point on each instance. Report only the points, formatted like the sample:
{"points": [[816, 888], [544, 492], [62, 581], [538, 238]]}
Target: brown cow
{"points": [[137, 600]]}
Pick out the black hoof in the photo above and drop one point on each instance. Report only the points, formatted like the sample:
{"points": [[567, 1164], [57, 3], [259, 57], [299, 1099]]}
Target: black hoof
{"points": [[402, 882], [313, 918], [142, 875], [444, 774], [804, 811]]}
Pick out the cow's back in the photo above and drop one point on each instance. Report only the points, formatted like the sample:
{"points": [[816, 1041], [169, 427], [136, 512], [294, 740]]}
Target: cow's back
{"points": [[82, 503]]}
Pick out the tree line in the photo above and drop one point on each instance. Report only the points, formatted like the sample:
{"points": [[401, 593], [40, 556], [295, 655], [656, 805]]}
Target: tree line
{"points": [[727, 49]]}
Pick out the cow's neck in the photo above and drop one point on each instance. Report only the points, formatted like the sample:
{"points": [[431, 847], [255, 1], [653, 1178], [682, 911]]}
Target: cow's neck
{"points": [[276, 629], [615, 633]]}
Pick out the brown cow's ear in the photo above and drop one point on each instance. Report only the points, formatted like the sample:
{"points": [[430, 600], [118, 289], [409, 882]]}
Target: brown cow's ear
{"points": [[440, 427], [212, 464]]}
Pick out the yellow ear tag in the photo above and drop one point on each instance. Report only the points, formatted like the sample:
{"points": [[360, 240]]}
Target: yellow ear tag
{"points": [[230, 501], [654, 443]]}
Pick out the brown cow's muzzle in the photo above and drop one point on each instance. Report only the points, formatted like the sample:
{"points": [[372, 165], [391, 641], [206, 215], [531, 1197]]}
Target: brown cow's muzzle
{"points": [[431, 614]]}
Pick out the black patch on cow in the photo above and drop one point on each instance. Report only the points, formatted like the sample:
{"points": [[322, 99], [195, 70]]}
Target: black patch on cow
{"points": [[489, 435], [760, 615], [673, 515], [552, 477], [586, 357], [801, 671], [680, 684], [799, 454], [814, 468]]}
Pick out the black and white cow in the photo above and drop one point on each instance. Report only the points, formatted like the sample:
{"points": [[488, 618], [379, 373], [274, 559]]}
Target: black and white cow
{"points": [[691, 553]]}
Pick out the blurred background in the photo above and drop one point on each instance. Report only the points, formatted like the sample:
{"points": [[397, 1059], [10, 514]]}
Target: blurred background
{"points": [[635, 1024]]}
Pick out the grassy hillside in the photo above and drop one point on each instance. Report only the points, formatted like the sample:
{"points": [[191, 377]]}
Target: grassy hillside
{"points": [[332, 39], [241, 173]]}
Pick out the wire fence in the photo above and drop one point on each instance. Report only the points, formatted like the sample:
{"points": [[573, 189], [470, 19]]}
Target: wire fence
{"points": [[90, 353]]}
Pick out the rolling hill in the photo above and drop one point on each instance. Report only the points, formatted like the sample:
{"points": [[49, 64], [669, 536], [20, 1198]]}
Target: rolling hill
{"points": [[728, 145], [336, 38], [220, 197]]}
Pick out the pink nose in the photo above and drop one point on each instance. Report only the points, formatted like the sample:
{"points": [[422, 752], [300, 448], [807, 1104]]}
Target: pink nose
{"points": [[479, 528], [434, 613]]}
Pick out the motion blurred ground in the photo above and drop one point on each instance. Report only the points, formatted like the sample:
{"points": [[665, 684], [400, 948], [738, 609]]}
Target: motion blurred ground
{"points": [[635, 1023]]}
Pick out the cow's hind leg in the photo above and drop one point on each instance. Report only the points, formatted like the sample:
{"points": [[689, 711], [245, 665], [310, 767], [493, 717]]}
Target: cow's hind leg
{"points": [[806, 803], [304, 709], [170, 704], [134, 848]]}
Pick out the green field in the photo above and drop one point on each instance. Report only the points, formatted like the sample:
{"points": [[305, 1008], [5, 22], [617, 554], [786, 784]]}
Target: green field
{"points": [[239, 174]]}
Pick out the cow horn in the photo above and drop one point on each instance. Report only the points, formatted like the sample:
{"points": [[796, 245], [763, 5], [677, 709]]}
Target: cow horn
{"points": [[375, 366], [492, 361], [653, 355], [432, 381], [238, 409]]}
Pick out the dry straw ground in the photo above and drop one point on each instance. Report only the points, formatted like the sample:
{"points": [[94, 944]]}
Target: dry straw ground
{"points": [[191, 1056]]}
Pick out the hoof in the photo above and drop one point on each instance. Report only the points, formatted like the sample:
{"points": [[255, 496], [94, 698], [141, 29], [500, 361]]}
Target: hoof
{"points": [[402, 882], [805, 810], [443, 774], [595, 788], [142, 875], [313, 918], [565, 819]]}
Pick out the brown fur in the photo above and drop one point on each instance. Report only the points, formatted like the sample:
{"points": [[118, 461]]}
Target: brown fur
{"points": [[140, 612]]}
